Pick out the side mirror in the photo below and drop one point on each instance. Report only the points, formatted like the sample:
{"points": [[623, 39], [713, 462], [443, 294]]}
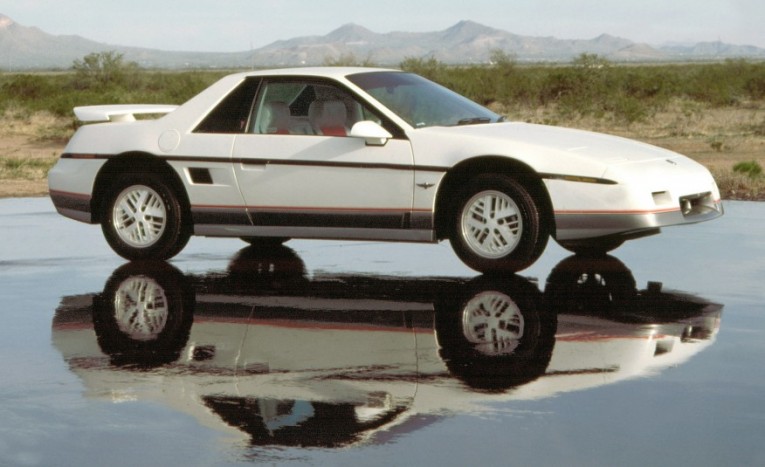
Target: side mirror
{"points": [[373, 133]]}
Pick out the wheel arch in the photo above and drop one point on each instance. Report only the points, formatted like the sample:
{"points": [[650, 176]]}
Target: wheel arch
{"points": [[467, 169], [134, 162]]}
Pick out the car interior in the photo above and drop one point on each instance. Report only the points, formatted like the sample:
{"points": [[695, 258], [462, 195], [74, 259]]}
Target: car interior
{"points": [[310, 109]]}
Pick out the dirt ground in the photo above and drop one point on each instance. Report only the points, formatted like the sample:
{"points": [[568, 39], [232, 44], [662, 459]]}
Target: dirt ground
{"points": [[29, 145], [23, 147]]}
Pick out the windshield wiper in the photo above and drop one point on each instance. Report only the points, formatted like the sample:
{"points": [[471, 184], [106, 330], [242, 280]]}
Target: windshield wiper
{"points": [[474, 120]]}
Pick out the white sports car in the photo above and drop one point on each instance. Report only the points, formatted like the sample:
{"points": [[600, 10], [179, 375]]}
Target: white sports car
{"points": [[369, 154]]}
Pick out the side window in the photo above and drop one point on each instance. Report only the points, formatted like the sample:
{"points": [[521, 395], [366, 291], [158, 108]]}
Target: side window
{"points": [[278, 109], [295, 107], [230, 115]]}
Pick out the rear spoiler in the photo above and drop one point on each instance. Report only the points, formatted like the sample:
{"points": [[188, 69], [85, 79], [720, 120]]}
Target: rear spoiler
{"points": [[119, 113]]}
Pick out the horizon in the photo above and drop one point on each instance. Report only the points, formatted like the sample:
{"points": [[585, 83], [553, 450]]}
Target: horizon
{"points": [[201, 26]]}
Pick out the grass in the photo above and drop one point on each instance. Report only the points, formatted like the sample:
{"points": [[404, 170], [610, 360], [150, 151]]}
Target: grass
{"points": [[25, 168], [753, 169]]}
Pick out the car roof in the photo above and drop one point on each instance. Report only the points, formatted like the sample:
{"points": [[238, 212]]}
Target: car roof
{"points": [[325, 71]]}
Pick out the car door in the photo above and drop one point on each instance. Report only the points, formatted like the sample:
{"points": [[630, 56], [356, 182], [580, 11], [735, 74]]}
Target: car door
{"points": [[301, 174]]}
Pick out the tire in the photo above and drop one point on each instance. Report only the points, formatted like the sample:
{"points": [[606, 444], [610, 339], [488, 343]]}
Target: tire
{"points": [[591, 246], [144, 219], [488, 242]]}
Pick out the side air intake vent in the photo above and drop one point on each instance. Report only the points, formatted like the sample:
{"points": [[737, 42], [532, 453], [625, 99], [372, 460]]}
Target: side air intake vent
{"points": [[200, 176]]}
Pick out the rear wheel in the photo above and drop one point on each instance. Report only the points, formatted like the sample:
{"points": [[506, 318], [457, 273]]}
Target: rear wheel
{"points": [[144, 219], [497, 225]]}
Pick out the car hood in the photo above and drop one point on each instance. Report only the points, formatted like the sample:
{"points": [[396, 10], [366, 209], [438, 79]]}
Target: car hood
{"points": [[542, 146]]}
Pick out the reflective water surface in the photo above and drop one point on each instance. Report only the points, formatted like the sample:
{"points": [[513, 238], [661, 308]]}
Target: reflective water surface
{"points": [[377, 354]]}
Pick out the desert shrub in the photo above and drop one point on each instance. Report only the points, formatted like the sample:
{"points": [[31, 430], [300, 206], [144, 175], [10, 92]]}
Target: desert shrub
{"points": [[430, 68], [27, 88], [712, 90], [629, 109], [172, 87], [27, 93], [723, 84], [755, 84], [103, 69], [750, 168]]}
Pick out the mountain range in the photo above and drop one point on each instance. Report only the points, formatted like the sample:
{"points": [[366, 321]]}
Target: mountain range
{"points": [[23, 47]]}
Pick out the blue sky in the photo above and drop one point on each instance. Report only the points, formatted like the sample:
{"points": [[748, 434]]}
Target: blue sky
{"points": [[237, 25]]}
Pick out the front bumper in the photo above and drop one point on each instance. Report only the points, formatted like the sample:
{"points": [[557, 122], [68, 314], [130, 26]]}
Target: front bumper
{"points": [[689, 209]]}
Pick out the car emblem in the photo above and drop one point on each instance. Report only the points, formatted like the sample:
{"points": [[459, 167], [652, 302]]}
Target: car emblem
{"points": [[671, 161], [425, 185]]}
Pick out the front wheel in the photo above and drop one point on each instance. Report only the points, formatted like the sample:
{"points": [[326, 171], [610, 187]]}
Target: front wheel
{"points": [[144, 219], [497, 225]]}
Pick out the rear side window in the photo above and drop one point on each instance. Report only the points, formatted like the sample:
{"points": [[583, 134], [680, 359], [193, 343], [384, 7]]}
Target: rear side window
{"points": [[231, 114]]}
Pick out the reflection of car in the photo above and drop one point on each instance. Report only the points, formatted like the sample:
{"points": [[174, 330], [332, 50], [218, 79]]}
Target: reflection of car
{"points": [[358, 153], [335, 359]]}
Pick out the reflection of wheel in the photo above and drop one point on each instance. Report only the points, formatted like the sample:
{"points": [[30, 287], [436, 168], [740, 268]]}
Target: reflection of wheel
{"points": [[592, 246], [140, 308], [496, 334], [144, 218], [492, 323], [589, 285], [497, 225], [144, 314]]}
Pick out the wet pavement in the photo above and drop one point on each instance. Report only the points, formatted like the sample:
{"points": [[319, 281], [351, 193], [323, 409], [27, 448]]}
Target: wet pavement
{"points": [[369, 353]]}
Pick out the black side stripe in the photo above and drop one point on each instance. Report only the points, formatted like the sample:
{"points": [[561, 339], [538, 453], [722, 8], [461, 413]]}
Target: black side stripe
{"points": [[304, 163], [351, 165], [577, 179]]}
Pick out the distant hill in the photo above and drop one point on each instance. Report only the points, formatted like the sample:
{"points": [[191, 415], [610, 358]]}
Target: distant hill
{"points": [[23, 47]]}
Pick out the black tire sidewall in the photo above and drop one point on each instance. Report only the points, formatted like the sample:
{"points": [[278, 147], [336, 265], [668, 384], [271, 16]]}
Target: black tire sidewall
{"points": [[175, 235]]}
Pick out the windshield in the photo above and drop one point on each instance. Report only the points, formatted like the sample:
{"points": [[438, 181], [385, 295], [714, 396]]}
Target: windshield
{"points": [[420, 102]]}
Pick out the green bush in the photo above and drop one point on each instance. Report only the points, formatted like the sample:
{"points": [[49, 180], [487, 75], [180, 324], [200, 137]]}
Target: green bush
{"points": [[104, 69], [750, 168]]}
